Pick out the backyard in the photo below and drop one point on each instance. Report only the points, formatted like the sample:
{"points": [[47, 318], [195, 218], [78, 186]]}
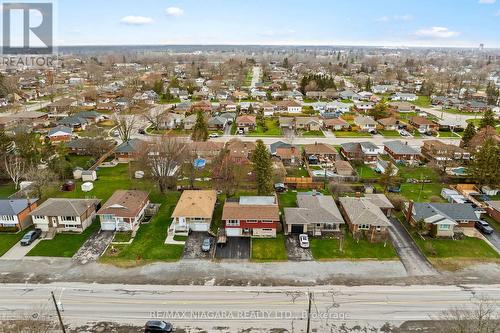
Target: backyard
{"points": [[271, 128]]}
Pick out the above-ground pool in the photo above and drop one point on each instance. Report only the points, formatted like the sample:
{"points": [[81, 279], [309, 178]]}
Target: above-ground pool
{"points": [[199, 163]]}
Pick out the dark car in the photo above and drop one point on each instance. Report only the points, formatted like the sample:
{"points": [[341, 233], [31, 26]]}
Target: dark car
{"points": [[484, 227], [142, 131], [158, 326], [30, 237]]}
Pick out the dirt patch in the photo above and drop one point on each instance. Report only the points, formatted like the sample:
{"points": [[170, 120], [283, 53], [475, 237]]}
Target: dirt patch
{"points": [[294, 251], [93, 247]]}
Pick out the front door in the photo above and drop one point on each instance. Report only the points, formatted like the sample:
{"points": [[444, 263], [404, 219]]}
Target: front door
{"points": [[54, 221]]}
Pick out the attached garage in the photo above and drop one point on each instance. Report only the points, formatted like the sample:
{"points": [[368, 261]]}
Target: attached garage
{"points": [[297, 229], [200, 226], [233, 232]]}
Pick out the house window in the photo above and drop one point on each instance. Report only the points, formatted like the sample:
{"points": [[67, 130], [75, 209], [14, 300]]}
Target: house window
{"points": [[444, 227], [233, 223], [71, 226], [364, 227], [107, 217], [68, 218], [378, 228], [7, 218], [39, 217], [267, 229], [251, 221]]}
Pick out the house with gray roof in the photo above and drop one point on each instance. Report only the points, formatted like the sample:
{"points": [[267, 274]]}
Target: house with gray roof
{"points": [[401, 152], [127, 151], [315, 214], [442, 219], [65, 215], [365, 151], [14, 213], [217, 122], [363, 216]]}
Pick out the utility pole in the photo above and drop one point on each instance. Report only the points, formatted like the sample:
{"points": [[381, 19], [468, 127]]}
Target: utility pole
{"points": [[308, 329], [58, 313]]}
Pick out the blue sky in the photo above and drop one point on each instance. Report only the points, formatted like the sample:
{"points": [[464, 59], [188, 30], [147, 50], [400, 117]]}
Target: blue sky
{"points": [[306, 22]]}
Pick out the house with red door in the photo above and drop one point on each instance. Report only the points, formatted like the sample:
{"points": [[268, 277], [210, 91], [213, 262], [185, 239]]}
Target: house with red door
{"points": [[251, 216]]}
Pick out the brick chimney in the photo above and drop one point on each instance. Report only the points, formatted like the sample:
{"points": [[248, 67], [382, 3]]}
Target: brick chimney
{"points": [[409, 212]]}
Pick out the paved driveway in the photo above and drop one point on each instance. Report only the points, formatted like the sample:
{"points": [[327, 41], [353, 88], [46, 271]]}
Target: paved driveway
{"points": [[192, 248], [19, 252], [93, 247], [494, 239], [413, 260], [294, 251], [235, 248]]}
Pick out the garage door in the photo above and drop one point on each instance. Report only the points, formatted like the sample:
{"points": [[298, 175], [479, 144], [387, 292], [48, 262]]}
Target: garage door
{"points": [[297, 229], [199, 227], [233, 232]]}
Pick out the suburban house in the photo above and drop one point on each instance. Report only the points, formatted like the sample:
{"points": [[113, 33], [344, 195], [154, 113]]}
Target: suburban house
{"points": [[336, 124], [194, 211], [360, 151], [364, 216], [190, 121], [217, 123], [246, 123], [349, 94], [365, 123], [240, 152], [389, 124], [318, 153], [481, 136], [62, 106], [65, 215], [170, 121], [402, 107], [128, 150], [14, 213], [423, 125], [308, 123], [442, 219], [207, 150], [315, 214], [407, 97], [287, 122], [60, 134], [251, 216], [493, 209], [289, 155], [364, 106], [442, 153], [401, 152], [337, 106], [124, 210], [288, 106]]}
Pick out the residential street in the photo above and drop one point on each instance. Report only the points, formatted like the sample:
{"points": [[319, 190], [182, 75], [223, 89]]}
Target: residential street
{"points": [[494, 238], [237, 308], [255, 76], [413, 260]]}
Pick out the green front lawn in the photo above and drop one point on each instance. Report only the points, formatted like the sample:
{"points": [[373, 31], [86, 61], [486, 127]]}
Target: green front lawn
{"points": [[313, 134], [389, 134], [8, 240], [148, 244], [269, 249], [351, 134], [122, 237], [329, 248], [297, 172], [448, 134], [63, 245], [272, 128], [466, 248]]}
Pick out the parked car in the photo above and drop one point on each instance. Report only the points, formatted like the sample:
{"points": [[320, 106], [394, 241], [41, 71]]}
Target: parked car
{"points": [[142, 131], [240, 132], [154, 326], [304, 241], [206, 245], [116, 133], [30, 237], [484, 227], [213, 135]]}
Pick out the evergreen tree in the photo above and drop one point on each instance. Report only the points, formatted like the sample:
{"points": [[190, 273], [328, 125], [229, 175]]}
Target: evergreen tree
{"points": [[484, 167], [488, 119], [200, 130], [263, 169], [368, 84], [158, 87], [285, 63], [379, 111], [469, 133], [492, 94]]}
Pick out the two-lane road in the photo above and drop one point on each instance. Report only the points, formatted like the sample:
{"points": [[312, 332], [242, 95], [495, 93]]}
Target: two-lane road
{"points": [[237, 308]]}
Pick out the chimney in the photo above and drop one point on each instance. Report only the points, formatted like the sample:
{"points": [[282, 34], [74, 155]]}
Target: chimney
{"points": [[409, 212]]}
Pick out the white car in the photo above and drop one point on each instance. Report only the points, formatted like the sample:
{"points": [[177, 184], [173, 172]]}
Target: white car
{"points": [[213, 135], [304, 241]]}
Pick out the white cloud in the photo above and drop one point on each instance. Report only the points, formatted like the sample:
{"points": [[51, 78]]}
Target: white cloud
{"points": [[487, 2], [136, 20], [436, 32], [382, 19], [174, 11], [497, 13]]}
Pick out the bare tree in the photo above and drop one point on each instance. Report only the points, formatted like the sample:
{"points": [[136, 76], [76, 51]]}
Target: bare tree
{"points": [[482, 318], [125, 125], [14, 166], [162, 159], [42, 179], [154, 116], [224, 172]]}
